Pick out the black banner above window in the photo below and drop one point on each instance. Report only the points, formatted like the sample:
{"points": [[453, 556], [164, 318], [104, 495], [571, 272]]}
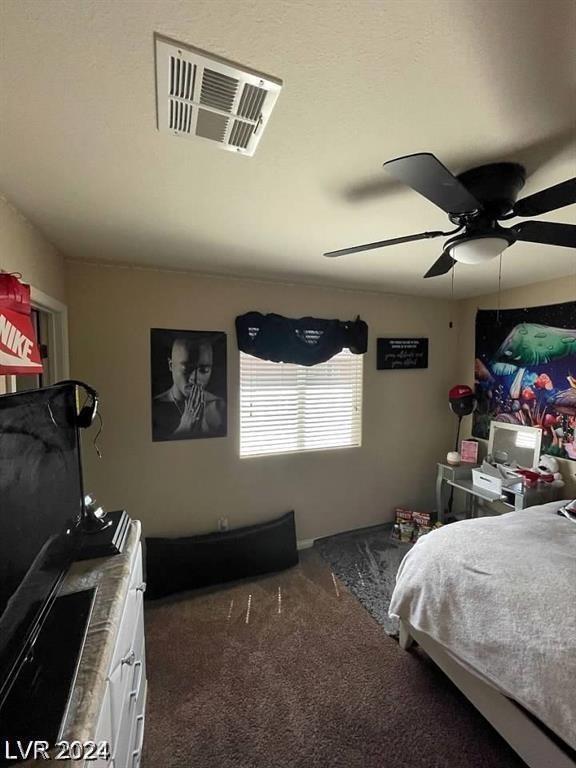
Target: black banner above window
{"points": [[305, 341]]}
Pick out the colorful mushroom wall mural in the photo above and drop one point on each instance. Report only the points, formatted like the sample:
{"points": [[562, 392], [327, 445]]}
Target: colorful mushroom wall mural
{"points": [[525, 373]]}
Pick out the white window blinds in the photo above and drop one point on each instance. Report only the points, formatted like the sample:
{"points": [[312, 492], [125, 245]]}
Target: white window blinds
{"points": [[286, 408]]}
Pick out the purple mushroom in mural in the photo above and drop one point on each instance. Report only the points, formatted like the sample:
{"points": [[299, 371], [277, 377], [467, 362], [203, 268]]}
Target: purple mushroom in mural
{"points": [[565, 402], [509, 418]]}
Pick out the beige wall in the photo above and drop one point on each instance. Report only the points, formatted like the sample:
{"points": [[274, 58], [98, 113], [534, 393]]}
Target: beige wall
{"points": [[179, 488], [551, 292], [23, 248]]}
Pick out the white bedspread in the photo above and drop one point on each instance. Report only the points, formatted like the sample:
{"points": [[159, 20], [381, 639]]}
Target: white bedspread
{"points": [[500, 594]]}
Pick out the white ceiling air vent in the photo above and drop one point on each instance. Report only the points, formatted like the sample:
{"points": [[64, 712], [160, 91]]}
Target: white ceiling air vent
{"points": [[200, 96]]}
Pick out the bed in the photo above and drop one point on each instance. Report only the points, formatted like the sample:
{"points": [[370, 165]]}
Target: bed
{"points": [[493, 602]]}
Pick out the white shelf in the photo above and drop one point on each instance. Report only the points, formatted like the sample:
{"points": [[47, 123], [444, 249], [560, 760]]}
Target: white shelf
{"points": [[481, 493]]}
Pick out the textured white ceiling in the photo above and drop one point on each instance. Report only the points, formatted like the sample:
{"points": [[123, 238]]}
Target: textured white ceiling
{"points": [[364, 81]]}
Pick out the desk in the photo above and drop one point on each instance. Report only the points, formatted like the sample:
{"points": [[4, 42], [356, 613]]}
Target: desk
{"points": [[515, 496]]}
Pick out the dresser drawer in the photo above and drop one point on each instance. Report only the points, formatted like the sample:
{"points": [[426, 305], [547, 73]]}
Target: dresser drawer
{"points": [[137, 735], [134, 696], [136, 572], [104, 733], [132, 604], [135, 714], [127, 684], [129, 658]]}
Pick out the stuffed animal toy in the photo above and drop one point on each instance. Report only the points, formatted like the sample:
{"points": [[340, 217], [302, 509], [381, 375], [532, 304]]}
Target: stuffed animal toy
{"points": [[549, 466]]}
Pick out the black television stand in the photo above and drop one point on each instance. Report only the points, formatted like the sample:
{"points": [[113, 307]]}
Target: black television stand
{"points": [[37, 702]]}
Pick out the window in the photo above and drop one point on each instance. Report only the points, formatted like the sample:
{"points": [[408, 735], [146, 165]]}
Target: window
{"points": [[287, 408]]}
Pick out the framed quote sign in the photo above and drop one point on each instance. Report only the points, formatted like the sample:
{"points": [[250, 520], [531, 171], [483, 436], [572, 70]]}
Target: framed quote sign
{"points": [[401, 354]]}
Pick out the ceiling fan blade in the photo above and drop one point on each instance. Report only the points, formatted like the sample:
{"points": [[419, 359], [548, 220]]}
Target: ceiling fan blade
{"points": [[546, 232], [547, 200], [382, 243], [426, 174], [440, 267]]}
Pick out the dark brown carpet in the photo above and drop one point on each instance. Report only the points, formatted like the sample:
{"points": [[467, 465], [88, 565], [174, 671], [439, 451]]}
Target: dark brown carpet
{"points": [[308, 681]]}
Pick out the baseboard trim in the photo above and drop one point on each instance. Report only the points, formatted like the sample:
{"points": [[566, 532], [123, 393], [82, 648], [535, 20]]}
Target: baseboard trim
{"points": [[305, 543]]}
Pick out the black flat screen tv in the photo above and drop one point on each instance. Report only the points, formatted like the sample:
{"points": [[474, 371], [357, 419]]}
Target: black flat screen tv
{"points": [[41, 507]]}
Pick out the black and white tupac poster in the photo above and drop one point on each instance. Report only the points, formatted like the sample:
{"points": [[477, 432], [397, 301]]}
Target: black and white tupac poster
{"points": [[189, 396]]}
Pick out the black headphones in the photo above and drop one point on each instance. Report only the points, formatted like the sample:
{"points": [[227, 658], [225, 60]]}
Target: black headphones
{"points": [[90, 407]]}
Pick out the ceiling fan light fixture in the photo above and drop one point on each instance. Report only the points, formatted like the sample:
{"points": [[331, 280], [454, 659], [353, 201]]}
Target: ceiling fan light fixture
{"points": [[477, 250]]}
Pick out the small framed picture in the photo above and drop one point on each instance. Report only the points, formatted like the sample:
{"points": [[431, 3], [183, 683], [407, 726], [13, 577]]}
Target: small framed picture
{"points": [[401, 354], [469, 451]]}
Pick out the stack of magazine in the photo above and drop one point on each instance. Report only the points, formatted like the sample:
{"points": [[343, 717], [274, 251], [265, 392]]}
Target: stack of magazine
{"points": [[110, 540]]}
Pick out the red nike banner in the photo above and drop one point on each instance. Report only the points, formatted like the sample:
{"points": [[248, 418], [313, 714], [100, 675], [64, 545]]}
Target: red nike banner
{"points": [[19, 352]]}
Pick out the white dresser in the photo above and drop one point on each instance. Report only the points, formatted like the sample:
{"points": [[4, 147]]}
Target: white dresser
{"points": [[108, 700], [121, 718]]}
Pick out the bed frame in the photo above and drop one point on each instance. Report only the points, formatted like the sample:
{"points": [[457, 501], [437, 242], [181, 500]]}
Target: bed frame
{"points": [[533, 745]]}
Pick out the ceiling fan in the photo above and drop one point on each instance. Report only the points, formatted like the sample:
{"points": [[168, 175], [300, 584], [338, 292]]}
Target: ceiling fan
{"points": [[476, 201]]}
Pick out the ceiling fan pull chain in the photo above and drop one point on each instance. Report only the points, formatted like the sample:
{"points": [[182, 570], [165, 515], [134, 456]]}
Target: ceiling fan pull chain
{"points": [[451, 323], [499, 290]]}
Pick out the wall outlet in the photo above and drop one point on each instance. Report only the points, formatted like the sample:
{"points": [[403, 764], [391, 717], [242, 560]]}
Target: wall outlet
{"points": [[223, 524]]}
